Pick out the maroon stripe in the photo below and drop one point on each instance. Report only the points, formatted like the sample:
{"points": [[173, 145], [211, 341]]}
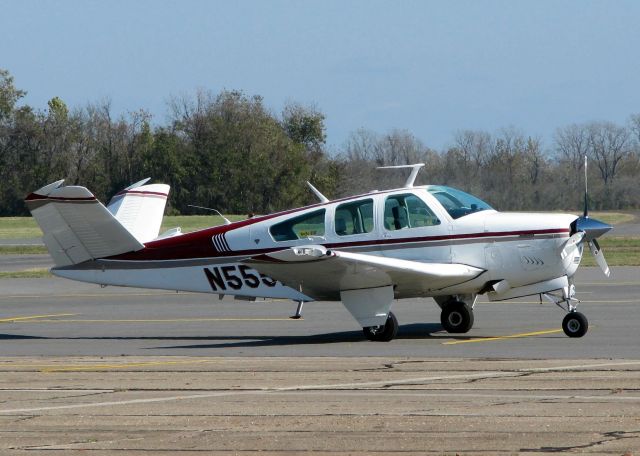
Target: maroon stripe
{"points": [[137, 192], [199, 248], [36, 197]]}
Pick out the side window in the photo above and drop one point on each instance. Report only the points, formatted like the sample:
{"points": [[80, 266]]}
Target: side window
{"points": [[407, 211], [354, 218], [311, 224]]}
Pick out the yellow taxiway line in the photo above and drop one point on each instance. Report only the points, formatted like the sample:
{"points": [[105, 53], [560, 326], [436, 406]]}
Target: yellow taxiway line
{"points": [[512, 336], [35, 317]]}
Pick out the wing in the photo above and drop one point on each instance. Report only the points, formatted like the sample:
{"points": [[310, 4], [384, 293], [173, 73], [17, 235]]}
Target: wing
{"points": [[323, 274]]}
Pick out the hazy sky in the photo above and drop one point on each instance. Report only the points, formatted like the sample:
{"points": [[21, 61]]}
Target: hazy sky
{"points": [[429, 67]]}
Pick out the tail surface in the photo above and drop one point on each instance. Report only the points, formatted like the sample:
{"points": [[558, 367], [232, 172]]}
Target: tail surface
{"points": [[140, 208], [76, 226]]}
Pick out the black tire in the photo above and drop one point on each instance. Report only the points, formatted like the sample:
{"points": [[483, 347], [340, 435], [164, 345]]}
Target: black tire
{"points": [[456, 317], [383, 333], [575, 324]]}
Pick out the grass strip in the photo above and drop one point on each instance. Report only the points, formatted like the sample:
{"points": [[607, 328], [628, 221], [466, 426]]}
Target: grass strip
{"points": [[22, 249], [618, 251], [28, 274]]}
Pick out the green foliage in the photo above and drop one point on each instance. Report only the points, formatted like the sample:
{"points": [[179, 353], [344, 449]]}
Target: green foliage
{"points": [[229, 152], [235, 156], [58, 109], [9, 95]]}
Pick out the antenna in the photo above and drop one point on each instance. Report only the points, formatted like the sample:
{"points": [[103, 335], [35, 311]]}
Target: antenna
{"points": [[321, 197], [412, 177], [586, 198], [226, 220]]}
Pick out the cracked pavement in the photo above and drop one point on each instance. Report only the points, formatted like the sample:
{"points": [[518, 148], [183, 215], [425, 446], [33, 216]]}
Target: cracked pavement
{"points": [[331, 406]]}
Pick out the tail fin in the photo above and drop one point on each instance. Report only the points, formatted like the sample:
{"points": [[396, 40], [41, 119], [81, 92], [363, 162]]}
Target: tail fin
{"points": [[140, 208], [76, 226]]}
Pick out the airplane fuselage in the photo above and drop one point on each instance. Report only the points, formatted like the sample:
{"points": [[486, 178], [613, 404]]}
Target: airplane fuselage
{"points": [[416, 224]]}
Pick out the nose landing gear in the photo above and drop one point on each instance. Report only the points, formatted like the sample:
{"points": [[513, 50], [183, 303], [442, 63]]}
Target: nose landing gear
{"points": [[574, 323]]}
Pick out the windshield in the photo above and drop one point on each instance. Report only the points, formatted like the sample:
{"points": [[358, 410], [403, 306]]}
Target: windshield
{"points": [[456, 202]]}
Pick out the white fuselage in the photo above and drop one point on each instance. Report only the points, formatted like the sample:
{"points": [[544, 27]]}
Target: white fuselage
{"points": [[520, 248]]}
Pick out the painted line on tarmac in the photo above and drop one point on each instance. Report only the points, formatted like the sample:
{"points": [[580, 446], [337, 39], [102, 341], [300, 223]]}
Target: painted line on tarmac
{"points": [[167, 320], [583, 301], [316, 387], [91, 295], [505, 396], [102, 367], [512, 336], [34, 318], [6, 366]]}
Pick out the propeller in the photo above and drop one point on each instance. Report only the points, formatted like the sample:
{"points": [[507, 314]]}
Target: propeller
{"points": [[587, 229]]}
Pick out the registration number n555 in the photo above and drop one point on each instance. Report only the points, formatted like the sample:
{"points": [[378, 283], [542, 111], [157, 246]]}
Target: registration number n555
{"points": [[235, 277]]}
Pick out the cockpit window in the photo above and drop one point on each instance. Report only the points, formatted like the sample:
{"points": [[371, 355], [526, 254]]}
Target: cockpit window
{"points": [[354, 218], [456, 202], [304, 226], [407, 211]]}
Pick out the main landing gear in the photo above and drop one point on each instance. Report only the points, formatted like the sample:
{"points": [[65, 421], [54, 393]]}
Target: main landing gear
{"points": [[383, 333], [456, 317]]}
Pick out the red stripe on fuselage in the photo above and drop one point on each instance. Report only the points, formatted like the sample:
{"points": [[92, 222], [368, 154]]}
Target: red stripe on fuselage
{"points": [[201, 246]]}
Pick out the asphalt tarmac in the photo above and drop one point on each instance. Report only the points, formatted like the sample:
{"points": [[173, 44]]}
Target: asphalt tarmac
{"points": [[322, 405], [101, 371], [57, 317]]}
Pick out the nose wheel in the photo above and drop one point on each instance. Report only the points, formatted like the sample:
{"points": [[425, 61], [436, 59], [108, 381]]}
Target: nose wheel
{"points": [[575, 324]]}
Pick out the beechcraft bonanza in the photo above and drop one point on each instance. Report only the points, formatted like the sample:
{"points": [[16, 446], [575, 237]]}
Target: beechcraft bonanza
{"points": [[366, 251]]}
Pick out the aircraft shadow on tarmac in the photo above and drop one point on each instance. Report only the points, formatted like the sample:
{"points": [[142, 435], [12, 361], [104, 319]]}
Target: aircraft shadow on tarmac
{"points": [[410, 331]]}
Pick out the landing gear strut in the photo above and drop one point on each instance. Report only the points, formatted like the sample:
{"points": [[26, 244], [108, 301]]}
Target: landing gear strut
{"points": [[456, 317], [383, 333], [298, 314], [574, 323]]}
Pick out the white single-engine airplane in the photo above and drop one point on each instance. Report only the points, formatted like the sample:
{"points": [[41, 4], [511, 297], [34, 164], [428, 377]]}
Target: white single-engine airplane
{"points": [[365, 250]]}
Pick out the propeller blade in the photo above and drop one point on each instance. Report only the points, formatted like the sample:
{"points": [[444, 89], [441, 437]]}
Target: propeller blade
{"points": [[571, 244], [597, 254]]}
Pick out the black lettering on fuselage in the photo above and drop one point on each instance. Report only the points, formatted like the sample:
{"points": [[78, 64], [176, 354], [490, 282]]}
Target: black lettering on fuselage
{"points": [[222, 277], [250, 279], [232, 280], [215, 279]]}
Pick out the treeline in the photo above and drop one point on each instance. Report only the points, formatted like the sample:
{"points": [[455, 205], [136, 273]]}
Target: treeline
{"points": [[229, 152]]}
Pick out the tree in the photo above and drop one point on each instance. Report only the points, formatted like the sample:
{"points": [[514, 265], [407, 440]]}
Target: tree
{"points": [[305, 125], [609, 144], [9, 95]]}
